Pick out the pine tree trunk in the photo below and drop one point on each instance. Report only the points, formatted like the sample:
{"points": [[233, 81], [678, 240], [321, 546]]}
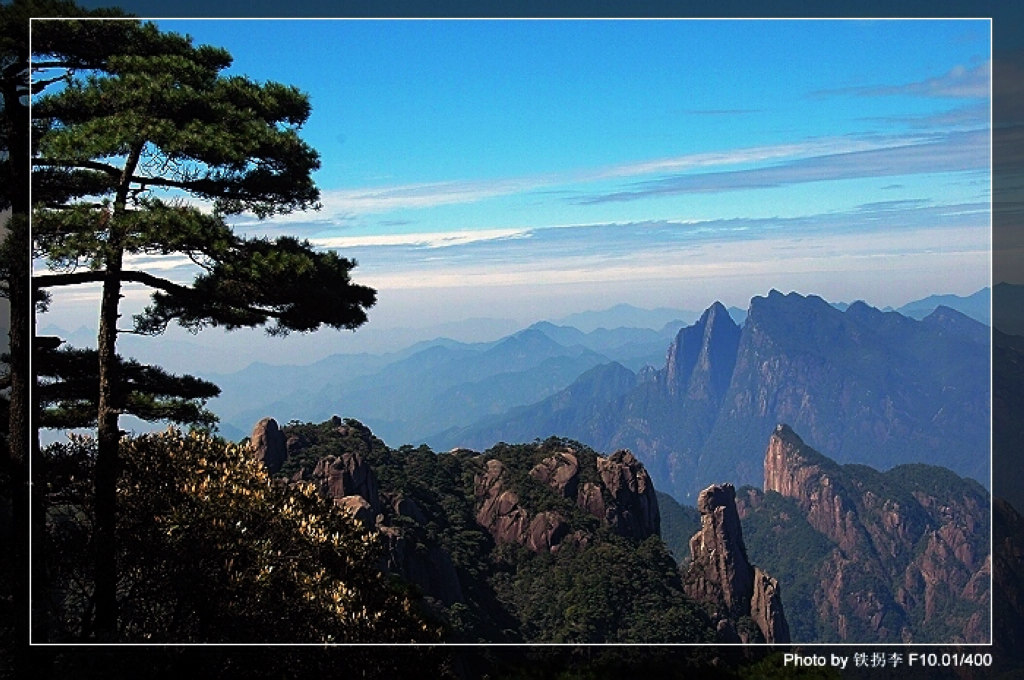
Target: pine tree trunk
{"points": [[108, 432], [107, 465]]}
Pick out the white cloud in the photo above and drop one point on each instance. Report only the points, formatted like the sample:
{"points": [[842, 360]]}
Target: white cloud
{"points": [[426, 240], [768, 258]]}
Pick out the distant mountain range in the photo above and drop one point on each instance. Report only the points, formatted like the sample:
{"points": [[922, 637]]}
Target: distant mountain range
{"points": [[977, 306], [627, 316], [405, 396], [871, 387]]}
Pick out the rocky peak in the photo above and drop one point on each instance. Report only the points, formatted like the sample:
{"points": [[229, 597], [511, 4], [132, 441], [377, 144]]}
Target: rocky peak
{"points": [[719, 551], [918, 529], [701, 358], [350, 483], [268, 444], [560, 472], [720, 575], [795, 470]]}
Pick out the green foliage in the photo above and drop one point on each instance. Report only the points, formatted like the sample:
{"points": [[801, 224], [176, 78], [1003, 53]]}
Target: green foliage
{"points": [[212, 550], [611, 591], [678, 524], [536, 497], [284, 279], [69, 384], [144, 111]]}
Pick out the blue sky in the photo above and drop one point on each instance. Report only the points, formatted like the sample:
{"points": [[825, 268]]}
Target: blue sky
{"points": [[529, 169]]}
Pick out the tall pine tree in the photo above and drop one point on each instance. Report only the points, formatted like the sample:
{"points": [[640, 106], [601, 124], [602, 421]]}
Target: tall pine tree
{"points": [[120, 156]]}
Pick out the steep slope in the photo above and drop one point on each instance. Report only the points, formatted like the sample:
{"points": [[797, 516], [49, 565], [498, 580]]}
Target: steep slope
{"points": [[720, 574], [905, 553]]}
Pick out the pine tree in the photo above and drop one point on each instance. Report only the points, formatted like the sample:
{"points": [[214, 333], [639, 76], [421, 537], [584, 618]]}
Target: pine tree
{"points": [[69, 384], [119, 156]]}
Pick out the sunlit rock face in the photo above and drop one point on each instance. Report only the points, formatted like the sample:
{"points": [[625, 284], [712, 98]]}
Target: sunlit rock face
{"points": [[906, 545]]}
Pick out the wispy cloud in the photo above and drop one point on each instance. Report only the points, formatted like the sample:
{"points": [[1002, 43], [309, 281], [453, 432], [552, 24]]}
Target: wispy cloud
{"points": [[743, 156], [427, 195], [353, 202], [611, 244], [967, 116], [959, 83], [951, 152], [771, 256], [349, 205], [426, 240]]}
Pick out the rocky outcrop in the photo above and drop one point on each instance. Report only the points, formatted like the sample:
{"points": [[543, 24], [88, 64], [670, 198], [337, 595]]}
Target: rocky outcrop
{"points": [[719, 570], [799, 472], [633, 510], [498, 508], [268, 444], [560, 472], [624, 500], [909, 552], [700, 360], [766, 608], [350, 483], [720, 575]]}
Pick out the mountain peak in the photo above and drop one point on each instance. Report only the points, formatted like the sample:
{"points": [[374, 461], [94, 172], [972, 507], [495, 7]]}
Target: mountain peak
{"points": [[702, 356]]}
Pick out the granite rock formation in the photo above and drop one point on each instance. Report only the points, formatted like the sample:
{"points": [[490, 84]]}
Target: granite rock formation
{"points": [[870, 387], [268, 444], [905, 556], [624, 499], [720, 575]]}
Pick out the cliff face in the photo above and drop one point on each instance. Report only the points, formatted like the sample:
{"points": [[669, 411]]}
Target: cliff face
{"points": [[700, 360], [907, 550], [720, 575], [867, 386], [268, 444]]}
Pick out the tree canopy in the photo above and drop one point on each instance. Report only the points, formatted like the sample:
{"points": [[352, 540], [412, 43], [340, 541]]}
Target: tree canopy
{"points": [[123, 154]]}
